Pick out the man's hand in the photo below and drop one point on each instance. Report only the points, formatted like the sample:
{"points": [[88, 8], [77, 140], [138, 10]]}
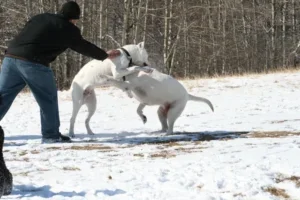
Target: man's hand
{"points": [[113, 53]]}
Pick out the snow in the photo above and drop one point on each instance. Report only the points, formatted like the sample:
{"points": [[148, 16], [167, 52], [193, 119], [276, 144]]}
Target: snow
{"points": [[212, 156]]}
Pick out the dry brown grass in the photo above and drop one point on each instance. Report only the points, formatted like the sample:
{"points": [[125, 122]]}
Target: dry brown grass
{"points": [[200, 186], [276, 192], [189, 149], [295, 179], [83, 147], [21, 174], [272, 134], [54, 148], [197, 81], [92, 147], [138, 155], [23, 153], [162, 154], [238, 195], [283, 121], [157, 142], [34, 152], [273, 71], [71, 168]]}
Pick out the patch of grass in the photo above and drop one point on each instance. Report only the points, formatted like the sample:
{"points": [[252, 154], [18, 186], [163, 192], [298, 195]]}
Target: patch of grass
{"points": [[91, 147], [128, 146], [54, 148], [71, 169], [273, 134], [157, 141], [23, 153], [282, 121], [188, 149], [295, 179], [238, 195], [138, 155], [21, 174], [172, 144], [162, 154], [276, 192], [18, 159], [43, 170], [200, 186], [34, 152]]}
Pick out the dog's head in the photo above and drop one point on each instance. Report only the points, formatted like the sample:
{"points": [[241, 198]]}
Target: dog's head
{"points": [[138, 54]]}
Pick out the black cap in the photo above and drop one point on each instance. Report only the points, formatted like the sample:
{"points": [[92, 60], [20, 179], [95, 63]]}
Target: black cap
{"points": [[70, 10]]}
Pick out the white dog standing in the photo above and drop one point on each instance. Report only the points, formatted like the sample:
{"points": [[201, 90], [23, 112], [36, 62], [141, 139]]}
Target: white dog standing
{"points": [[160, 89], [95, 73]]}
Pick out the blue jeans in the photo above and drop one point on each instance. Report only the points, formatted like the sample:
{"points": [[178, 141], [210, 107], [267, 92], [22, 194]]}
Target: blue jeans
{"points": [[14, 76]]}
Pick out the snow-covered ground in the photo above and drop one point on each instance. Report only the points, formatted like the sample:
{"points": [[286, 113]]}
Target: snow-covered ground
{"points": [[247, 149]]}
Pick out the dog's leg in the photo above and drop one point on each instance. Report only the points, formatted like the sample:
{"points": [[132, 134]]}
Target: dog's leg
{"points": [[77, 100], [91, 103], [140, 112], [76, 108], [119, 73], [162, 116], [124, 86], [174, 112]]}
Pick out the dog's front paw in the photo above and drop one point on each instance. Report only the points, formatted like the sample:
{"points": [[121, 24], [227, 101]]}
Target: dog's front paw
{"points": [[72, 135], [128, 92], [90, 133], [147, 69], [144, 119]]}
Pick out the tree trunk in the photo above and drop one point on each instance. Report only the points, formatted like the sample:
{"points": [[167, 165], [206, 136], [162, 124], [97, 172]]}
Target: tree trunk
{"points": [[224, 15], [125, 36], [235, 40], [136, 31], [82, 29], [255, 32], [145, 21], [284, 33], [245, 34], [166, 32], [272, 53]]}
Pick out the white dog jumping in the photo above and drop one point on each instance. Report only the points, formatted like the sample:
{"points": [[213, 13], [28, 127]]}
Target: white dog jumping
{"points": [[160, 89], [95, 73]]}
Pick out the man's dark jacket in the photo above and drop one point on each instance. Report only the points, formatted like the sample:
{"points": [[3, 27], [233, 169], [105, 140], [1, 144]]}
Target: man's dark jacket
{"points": [[46, 36]]}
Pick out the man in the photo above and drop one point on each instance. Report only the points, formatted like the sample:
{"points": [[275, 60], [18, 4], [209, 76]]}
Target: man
{"points": [[27, 59]]}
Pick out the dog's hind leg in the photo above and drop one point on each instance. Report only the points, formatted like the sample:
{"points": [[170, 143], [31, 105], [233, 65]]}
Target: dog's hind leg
{"points": [[140, 112], [76, 108], [77, 100], [91, 103], [174, 112], [162, 116]]}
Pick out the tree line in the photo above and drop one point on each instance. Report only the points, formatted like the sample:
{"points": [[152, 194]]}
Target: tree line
{"points": [[184, 38]]}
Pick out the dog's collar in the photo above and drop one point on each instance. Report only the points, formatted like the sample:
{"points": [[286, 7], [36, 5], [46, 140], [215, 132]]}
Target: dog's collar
{"points": [[129, 58]]}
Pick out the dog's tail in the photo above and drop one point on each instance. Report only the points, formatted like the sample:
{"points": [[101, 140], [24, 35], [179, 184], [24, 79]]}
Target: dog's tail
{"points": [[201, 99]]}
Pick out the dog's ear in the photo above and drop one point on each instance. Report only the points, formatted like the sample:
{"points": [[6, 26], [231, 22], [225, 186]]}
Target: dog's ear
{"points": [[141, 45]]}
